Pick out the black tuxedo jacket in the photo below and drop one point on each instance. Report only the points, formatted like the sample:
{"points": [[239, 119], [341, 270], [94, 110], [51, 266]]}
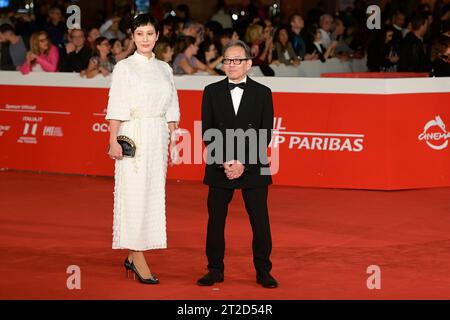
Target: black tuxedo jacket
{"points": [[255, 113]]}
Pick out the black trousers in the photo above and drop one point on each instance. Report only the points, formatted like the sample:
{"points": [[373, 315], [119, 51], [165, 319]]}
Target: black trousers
{"points": [[256, 205]]}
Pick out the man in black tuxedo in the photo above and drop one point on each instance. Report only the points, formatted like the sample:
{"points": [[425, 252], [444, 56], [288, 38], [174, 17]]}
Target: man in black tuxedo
{"points": [[237, 120]]}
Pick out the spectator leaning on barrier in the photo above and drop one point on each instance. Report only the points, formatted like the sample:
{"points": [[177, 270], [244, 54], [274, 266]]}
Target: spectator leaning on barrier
{"points": [[14, 47], [284, 53], [185, 61], [102, 62], [411, 52], [43, 56], [314, 45], [78, 53]]}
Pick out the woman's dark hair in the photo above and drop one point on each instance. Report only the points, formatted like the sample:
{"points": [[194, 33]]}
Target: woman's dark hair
{"points": [[183, 43], [204, 47], [98, 42], [311, 31], [215, 27], [113, 41], [277, 33], [143, 20], [377, 40]]}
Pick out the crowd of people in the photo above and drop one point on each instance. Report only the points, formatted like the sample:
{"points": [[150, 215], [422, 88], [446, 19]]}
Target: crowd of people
{"points": [[414, 41]]}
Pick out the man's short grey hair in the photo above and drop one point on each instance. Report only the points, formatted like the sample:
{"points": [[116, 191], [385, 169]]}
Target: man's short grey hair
{"points": [[238, 43], [324, 16]]}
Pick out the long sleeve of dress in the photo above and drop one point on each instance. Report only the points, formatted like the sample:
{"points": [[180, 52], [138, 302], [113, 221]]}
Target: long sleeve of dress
{"points": [[118, 105], [49, 63], [173, 112], [25, 68]]}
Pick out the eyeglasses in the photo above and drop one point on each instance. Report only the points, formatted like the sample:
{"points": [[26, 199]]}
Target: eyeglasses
{"points": [[235, 61], [43, 39]]}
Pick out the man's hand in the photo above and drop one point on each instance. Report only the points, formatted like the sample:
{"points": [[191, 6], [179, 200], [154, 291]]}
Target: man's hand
{"points": [[70, 47], [233, 169]]}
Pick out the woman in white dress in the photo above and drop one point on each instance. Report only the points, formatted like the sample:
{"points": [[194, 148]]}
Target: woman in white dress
{"points": [[143, 105]]}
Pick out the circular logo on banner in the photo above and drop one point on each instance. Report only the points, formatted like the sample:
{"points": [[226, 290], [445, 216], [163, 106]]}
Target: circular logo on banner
{"points": [[435, 135]]}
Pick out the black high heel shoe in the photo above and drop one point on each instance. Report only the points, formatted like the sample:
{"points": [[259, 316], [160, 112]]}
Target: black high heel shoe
{"points": [[129, 266]]}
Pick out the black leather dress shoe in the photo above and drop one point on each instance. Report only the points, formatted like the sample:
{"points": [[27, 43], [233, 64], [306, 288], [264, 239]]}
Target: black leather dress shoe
{"points": [[266, 280], [210, 278]]}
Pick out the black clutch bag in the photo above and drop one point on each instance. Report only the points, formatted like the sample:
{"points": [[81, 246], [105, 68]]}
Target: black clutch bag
{"points": [[128, 146]]}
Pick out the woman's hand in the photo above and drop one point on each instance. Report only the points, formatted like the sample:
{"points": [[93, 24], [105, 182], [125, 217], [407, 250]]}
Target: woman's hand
{"points": [[269, 42], [174, 156], [115, 151], [296, 62], [29, 57], [104, 71]]}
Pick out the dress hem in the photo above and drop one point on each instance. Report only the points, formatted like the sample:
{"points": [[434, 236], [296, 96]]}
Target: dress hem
{"points": [[140, 249]]}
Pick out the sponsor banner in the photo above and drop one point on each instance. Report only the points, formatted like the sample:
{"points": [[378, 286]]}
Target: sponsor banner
{"points": [[337, 140]]}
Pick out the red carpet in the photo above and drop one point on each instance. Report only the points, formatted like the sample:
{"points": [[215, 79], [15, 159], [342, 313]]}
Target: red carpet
{"points": [[324, 240]]}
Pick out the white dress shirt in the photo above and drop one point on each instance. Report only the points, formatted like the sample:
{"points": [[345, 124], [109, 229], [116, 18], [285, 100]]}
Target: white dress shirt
{"points": [[318, 47], [236, 95], [326, 38]]}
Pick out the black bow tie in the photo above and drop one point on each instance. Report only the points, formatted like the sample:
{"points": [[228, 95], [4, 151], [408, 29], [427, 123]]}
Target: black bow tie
{"points": [[231, 86]]}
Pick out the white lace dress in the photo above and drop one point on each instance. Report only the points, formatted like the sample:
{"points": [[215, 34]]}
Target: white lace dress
{"points": [[143, 96]]}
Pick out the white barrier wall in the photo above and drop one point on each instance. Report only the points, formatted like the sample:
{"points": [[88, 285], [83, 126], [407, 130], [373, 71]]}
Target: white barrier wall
{"points": [[315, 68]]}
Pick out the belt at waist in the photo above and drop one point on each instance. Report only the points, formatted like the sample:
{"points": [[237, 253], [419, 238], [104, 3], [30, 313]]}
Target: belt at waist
{"points": [[147, 117], [137, 114]]}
